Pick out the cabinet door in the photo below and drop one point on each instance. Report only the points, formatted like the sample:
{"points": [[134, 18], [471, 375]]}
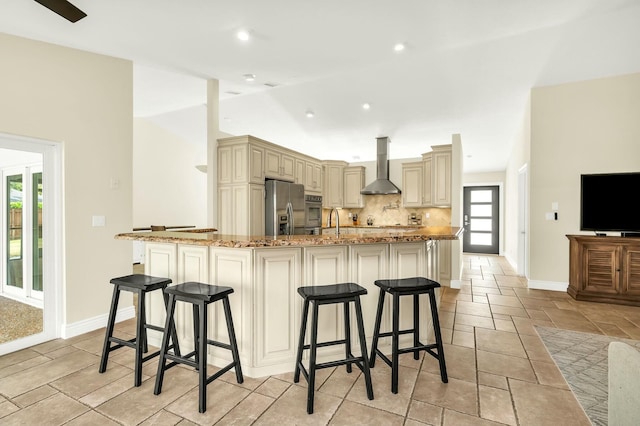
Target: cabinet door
{"points": [[317, 177], [600, 264], [300, 173], [277, 276], [225, 164], [255, 215], [160, 261], [287, 164], [193, 263], [412, 181], [631, 270], [272, 163], [442, 178], [256, 164], [327, 265], [232, 267], [409, 260], [444, 259], [427, 183], [333, 186], [367, 263], [353, 184]]}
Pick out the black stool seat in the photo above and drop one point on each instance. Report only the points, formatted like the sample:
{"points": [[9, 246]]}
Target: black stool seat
{"points": [[331, 291], [198, 291], [414, 286], [141, 285], [344, 293], [200, 295], [407, 285]]}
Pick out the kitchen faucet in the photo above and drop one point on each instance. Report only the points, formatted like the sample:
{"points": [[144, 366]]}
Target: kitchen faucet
{"points": [[337, 220]]}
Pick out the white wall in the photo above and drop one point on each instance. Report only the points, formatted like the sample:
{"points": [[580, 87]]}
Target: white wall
{"points": [[168, 189], [584, 127], [84, 102]]}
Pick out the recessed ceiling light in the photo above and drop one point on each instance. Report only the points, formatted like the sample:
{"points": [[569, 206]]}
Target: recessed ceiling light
{"points": [[309, 113], [366, 106], [231, 92], [249, 77], [243, 35], [399, 47]]}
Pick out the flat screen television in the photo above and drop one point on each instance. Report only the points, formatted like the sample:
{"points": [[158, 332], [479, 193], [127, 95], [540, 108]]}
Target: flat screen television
{"points": [[608, 202]]}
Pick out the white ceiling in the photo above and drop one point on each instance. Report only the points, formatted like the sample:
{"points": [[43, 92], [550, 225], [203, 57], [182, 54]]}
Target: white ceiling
{"points": [[468, 67]]}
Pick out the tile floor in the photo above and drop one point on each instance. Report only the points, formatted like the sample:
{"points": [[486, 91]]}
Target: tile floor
{"points": [[499, 372]]}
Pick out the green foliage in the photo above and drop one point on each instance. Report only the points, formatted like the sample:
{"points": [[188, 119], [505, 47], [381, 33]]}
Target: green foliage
{"points": [[15, 205]]}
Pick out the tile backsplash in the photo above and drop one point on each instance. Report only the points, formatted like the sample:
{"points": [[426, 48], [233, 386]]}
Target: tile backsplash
{"points": [[388, 210]]}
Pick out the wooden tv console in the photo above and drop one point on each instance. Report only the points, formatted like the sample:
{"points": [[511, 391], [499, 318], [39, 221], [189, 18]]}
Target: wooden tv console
{"points": [[604, 269]]}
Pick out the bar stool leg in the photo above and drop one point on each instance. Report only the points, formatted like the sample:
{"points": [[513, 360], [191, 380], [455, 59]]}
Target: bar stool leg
{"points": [[347, 335], [303, 329], [438, 335], [416, 325], [312, 359], [395, 343], [196, 332], [202, 364], [376, 329], [141, 339], [174, 335], [232, 339], [145, 344], [363, 347], [109, 332], [171, 306]]}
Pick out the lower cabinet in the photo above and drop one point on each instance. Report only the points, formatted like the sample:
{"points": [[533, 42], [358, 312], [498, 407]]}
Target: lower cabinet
{"points": [[604, 269], [265, 305], [276, 277]]}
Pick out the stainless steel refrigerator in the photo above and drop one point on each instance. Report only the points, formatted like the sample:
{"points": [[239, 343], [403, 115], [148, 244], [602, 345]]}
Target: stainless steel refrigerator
{"points": [[284, 208]]}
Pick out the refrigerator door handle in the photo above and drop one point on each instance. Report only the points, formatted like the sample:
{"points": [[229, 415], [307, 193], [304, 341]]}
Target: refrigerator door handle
{"points": [[290, 224]]}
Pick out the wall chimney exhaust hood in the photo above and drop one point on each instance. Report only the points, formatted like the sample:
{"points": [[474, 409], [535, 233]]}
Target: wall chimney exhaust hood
{"points": [[382, 185]]}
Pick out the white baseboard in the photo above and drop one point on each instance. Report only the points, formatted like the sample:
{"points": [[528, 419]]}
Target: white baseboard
{"points": [[90, 324], [548, 285], [455, 283]]}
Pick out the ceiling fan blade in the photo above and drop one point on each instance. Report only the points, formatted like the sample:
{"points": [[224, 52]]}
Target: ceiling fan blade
{"points": [[64, 9]]}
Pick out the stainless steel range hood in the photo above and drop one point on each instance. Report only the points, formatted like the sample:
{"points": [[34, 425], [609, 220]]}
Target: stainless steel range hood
{"points": [[382, 185]]}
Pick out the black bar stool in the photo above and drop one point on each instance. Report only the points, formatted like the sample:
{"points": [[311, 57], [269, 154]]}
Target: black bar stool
{"points": [[324, 295], [200, 296], [407, 287], [141, 285]]}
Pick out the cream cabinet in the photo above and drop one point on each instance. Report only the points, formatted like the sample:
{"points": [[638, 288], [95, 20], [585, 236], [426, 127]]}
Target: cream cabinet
{"points": [[368, 263], [412, 183], [313, 177], [441, 176], [241, 209], [278, 308], [279, 165], [300, 172], [240, 161], [232, 267], [427, 183], [333, 187], [444, 260], [353, 184]]}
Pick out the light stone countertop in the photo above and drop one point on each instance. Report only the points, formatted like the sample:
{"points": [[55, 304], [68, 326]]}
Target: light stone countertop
{"points": [[204, 237]]}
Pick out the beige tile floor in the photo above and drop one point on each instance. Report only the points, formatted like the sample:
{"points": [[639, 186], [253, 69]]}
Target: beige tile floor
{"points": [[499, 372]]}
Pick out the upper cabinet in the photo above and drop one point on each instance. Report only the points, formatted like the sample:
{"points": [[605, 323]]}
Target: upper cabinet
{"points": [[247, 159], [412, 183], [279, 165], [441, 176], [427, 183], [353, 184], [333, 186]]}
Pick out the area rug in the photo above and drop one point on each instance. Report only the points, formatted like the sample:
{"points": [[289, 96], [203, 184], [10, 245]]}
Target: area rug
{"points": [[583, 360], [18, 320]]}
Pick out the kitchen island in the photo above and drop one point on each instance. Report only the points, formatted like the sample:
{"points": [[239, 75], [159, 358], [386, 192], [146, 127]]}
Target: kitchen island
{"points": [[265, 273]]}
